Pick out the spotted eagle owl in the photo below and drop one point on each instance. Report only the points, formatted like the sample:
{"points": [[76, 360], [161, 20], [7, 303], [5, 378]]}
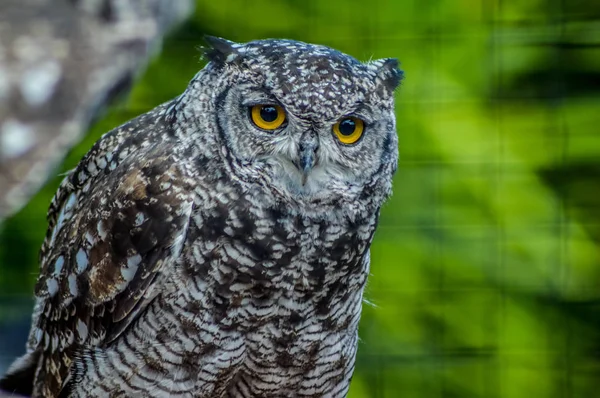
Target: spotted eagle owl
{"points": [[218, 245]]}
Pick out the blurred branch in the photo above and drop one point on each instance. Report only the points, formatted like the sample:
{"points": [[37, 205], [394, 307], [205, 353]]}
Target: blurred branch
{"points": [[61, 61]]}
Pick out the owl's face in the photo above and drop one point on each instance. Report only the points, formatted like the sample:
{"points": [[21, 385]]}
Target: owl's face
{"points": [[316, 122]]}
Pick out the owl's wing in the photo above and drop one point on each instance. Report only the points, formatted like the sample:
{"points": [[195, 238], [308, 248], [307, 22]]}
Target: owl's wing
{"points": [[110, 240]]}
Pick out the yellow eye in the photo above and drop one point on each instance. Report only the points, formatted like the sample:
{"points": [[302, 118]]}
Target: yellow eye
{"points": [[349, 130], [267, 117]]}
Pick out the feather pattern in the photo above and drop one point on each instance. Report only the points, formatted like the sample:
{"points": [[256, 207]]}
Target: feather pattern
{"points": [[188, 255]]}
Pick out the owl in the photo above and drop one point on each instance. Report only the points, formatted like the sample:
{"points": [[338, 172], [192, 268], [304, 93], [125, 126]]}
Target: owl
{"points": [[218, 245]]}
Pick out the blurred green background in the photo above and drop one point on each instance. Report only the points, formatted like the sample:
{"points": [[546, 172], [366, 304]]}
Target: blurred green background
{"points": [[486, 265]]}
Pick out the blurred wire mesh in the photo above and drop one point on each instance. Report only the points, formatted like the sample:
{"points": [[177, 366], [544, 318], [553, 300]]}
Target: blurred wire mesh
{"points": [[486, 265]]}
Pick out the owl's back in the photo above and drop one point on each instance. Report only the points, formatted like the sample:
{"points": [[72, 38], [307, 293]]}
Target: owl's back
{"points": [[98, 262]]}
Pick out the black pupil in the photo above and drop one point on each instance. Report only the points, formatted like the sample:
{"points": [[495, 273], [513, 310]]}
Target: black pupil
{"points": [[347, 127], [268, 113]]}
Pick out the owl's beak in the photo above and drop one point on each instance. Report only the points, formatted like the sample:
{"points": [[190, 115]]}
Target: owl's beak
{"points": [[307, 151]]}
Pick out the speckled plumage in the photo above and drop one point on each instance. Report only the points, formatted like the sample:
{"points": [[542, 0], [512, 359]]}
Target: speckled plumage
{"points": [[188, 256]]}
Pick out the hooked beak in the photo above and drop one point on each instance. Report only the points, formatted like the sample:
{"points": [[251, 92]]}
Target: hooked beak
{"points": [[307, 151]]}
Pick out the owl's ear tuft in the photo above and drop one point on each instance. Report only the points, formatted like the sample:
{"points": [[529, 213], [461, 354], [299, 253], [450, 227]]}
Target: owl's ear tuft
{"points": [[389, 73], [220, 50]]}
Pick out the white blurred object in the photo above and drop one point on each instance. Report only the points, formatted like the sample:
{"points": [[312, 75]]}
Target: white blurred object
{"points": [[60, 63]]}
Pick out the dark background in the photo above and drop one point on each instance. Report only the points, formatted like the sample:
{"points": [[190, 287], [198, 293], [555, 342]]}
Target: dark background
{"points": [[485, 267]]}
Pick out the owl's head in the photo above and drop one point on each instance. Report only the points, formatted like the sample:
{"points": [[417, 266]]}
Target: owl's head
{"points": [[307, 120]]}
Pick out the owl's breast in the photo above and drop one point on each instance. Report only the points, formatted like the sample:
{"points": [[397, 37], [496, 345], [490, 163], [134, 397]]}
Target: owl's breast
{"points": [[270, 243], [282, 287], [248, 250]]}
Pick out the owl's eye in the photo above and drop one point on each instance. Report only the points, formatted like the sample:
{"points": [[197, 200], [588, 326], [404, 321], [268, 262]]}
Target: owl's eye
{"points": [[348, 130], [267, 117]]}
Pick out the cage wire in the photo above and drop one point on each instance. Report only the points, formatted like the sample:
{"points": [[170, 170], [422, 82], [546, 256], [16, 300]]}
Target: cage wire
{"points": [[485, 267]]}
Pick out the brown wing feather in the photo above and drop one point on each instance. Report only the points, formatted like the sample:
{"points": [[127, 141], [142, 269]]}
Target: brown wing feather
{"points": [[105, 260], [113, 232]]}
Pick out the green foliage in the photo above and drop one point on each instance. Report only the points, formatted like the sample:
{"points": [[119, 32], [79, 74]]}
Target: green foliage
{"points": [[485, 269]]}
